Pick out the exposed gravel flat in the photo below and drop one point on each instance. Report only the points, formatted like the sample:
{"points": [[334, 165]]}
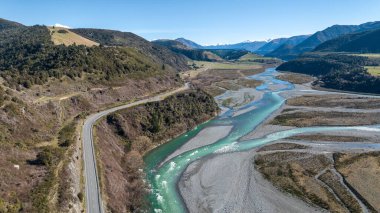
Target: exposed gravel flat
{"points": [[230, 183]]}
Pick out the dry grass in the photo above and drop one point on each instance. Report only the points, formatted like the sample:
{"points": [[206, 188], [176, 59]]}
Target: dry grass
{"points": [[251, 57], [369, 55], [321, 118], [345, 101], [214, 81], [332, 180], [373, 70], [228, 65], [64, 36], [322, 137], [362, 172], [294, 172], [296, 78], [281, 146], [249, 83]]}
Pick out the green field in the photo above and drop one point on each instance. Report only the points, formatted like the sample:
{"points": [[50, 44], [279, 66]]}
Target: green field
{"points": [[250, 57], [227, 65], [369, 55], [373, 70]]}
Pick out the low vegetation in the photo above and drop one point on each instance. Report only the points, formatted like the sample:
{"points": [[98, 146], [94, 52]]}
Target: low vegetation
{"points": [[294, 172], [332, 181], [281, 146], [342, 101], [322, 118], [216, 81], [322, 137], [360, 172], [311, 177], [296, 78]]}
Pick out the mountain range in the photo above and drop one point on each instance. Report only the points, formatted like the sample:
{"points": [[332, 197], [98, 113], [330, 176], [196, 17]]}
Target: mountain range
{"points": [[246, 45], [289, 48], [188, 49], [362, 42]]}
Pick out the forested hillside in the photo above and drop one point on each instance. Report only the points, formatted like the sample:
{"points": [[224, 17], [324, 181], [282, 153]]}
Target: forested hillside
{"points": [[46, 90], [363, 42], [337, 71], [28, 56], [117, 38]]}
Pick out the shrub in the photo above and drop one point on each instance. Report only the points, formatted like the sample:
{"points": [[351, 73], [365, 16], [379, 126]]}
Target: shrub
{"points": [[62, 31]]}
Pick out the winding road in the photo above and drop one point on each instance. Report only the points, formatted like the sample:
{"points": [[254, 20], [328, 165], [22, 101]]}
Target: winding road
{"points": [[92, 189]]}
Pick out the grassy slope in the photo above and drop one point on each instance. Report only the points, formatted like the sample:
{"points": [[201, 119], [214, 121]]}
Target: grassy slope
{"points": [[69, 38], [373, 70]]}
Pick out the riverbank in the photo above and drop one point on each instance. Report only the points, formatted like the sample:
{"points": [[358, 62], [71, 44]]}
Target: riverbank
{"points": [[124, 136]]}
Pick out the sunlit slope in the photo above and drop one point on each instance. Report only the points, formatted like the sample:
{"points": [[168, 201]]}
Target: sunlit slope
{"points": [[60, 35]]}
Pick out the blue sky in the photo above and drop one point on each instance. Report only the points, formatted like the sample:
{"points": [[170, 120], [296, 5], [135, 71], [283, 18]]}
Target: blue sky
{"points": [[204, 21]]}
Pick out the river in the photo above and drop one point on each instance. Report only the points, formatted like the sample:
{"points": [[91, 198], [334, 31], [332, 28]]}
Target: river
{"points": [[163, 180]]}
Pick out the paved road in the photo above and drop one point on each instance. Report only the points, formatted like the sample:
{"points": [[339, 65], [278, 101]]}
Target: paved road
{"points": [[93, 196]]}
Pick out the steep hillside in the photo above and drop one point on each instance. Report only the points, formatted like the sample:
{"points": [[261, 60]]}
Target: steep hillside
{"points": [[46, 90], [363, 42], [116, 38], [28, 56], [270, 46], [288, 44], [189, 43], [281, 52], [276, 43], [327, 34]]}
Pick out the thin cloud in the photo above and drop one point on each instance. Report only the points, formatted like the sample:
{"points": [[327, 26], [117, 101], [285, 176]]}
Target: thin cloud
{"points": [[61, 25]]}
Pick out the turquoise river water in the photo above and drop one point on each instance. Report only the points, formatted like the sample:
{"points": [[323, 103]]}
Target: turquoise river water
{"points": [[163, 180]]}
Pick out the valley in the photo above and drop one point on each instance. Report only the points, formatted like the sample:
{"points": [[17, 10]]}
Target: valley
{"points": [[96, 119]]}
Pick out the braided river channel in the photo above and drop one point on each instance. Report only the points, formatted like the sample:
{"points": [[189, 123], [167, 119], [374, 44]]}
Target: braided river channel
{"points": [[163, 177]]}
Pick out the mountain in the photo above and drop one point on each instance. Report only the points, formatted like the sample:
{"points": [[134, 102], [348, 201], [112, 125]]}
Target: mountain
{"points": [[248, 45], [189, 43], [327, 34], [158, 53], [362, 42], [270, 46], [6, 24], [193, 54], [286, 46], [201, 54], [276, 43]]}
